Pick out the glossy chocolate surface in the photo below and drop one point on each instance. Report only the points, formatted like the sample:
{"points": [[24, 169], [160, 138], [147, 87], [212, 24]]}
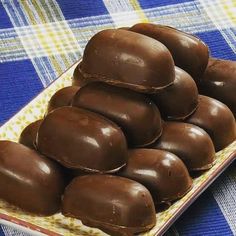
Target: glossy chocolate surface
{"points": [[216, 119], [78, 79], [81, 139], [135, 113], [188, 51], [178, 100], [62, 97], [114, 204], [128, 59], [189, 142], [219, 82], [161, 172], [124, 28], [28, 180], [28, 135]]}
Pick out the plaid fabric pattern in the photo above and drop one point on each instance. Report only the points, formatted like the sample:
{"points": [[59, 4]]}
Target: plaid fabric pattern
{"points": [[40, 39]]}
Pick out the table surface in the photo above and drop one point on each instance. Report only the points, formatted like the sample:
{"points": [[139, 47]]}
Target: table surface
{"points": [[40, 39]]}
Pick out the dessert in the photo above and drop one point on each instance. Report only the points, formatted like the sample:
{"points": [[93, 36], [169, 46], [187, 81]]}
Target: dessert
{"points": [[80, 139], [30, 181], [189, 142], [29, 133], [78, 79], [189, 52], [178, 100], [216, 119], [161, 172], [219, 82], [135, 113], [127, 59], [116, 205], [62, 98]]}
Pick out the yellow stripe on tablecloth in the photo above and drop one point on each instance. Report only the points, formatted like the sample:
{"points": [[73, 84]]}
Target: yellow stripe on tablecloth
{"points": [[40, 36], [48, 36], [139, 11], [230, 9], [31, 18]]}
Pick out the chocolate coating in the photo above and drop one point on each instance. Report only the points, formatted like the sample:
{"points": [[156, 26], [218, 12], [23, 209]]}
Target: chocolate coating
{"points": [[111, 203], [124, 28], [216, 119], [178, 100], [28, 135], [219, 82], [189, 52], [81, 139], [28, 180], [135, 113], [78, 79], [62, 97], [189, 142], [161, 172], [127, 59]]}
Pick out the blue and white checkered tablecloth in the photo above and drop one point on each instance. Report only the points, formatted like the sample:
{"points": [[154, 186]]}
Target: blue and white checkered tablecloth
{"points": [[39, 39]]}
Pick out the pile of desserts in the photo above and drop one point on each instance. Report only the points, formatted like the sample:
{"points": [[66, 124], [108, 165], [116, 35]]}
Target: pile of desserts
{"points": [[125, 138]]}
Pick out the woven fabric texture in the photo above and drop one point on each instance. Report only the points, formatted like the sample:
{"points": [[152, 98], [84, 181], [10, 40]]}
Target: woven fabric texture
{"points": [[39, 39]]}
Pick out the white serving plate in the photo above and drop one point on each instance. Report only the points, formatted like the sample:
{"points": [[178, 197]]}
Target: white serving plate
{"points": [[60, 225]]}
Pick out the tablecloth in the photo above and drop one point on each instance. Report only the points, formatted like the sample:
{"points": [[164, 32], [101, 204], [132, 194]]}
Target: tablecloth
{"points": [[39, 39]]}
